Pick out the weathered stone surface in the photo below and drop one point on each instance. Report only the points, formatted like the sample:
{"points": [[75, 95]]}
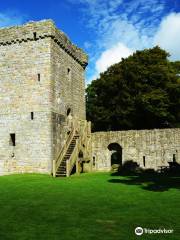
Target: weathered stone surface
{"points": [[157, 146], [44, 29], [42, 72]]}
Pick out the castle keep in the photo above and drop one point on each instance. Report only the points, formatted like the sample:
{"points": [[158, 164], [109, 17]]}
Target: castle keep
{"points": [[41, 82], [43, 125]]}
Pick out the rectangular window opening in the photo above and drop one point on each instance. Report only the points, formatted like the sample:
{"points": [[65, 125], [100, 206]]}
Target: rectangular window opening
{"points": [[39, 77], [34, 35], [68, 71], [32, 115], [94, 160], [12, 139], [174, 157], [144, 161]]}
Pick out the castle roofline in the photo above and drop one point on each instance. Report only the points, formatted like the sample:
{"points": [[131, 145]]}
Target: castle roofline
{"points": [[36, 30]]}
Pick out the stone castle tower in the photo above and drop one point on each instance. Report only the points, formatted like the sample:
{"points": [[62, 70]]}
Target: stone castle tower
{"points": [[41, 82], [43, 127]]}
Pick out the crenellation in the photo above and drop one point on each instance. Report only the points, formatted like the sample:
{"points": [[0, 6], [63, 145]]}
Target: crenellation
{"points": [[43, 29]]}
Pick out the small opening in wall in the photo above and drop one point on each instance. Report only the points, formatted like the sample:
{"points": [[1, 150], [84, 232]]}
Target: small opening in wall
{"points": [[68, 71], [144, 161], [94, 160], [12, 139], [35, 35], [174, 157], [68, 111], [32, 115], [39, 77], [80, 156]]}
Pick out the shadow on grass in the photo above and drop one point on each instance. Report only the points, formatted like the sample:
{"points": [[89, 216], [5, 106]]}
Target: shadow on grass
{"points": [[148, 179]]}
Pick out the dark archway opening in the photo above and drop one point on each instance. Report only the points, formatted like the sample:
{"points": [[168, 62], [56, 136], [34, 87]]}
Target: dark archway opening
{"points": [[73, 169], [68, 111], [116, 156]]}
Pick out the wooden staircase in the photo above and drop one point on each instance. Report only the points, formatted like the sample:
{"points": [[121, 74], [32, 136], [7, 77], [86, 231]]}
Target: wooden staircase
{"points": [[62, 169], [68, 155]]}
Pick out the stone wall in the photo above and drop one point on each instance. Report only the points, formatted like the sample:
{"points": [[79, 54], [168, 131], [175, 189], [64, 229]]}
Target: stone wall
{"points": [[41, 75], [32, 152], [20, 94], [68, 92], [156, 147], [44, 29]]}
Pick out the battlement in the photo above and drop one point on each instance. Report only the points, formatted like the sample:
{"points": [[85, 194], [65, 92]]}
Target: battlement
{"points": [[34, 31]]}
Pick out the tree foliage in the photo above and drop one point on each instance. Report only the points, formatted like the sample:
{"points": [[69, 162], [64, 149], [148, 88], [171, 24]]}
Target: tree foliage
{"points": [[140, 92]]}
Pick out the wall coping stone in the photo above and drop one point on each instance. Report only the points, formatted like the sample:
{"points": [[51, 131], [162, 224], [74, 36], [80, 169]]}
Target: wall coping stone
{"points": [[137, 131]]}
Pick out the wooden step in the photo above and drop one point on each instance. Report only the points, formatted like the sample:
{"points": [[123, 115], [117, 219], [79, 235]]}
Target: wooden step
{"points": [[60, 175], [60, 172], [61, 168]]}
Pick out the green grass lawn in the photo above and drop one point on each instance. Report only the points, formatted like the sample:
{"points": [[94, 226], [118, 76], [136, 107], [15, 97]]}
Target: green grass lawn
{"points": [[90, 206]]}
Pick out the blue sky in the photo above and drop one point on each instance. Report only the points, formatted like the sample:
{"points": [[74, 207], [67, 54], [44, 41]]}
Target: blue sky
{"points": [[106, 29]]}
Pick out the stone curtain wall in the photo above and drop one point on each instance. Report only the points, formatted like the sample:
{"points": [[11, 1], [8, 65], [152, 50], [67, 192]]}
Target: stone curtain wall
{"points": [[34, 62], [157, 146]]}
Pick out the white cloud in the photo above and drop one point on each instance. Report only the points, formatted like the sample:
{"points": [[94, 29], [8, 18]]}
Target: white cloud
{"points": [[11, 18], [112, 56], [168, 35], [121, 26], [125, 32], [109, 57]]}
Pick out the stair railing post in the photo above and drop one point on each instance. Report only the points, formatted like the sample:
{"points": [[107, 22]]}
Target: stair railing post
{"points": [[77, 166], [54, 168], [67, 168]]}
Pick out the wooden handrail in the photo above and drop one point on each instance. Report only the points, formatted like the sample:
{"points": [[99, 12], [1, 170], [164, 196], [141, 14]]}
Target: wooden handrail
{"points": [[74, 156], [57, 162], [82, 127], [65, 147], [70, 163]]}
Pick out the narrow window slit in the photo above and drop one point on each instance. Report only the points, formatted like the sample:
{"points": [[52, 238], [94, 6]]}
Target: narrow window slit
{"points": [[144, 161], [174, 157], [39, 77], [32, 115], [12, 139], [35, 35], [68, 71], [94, 160]]}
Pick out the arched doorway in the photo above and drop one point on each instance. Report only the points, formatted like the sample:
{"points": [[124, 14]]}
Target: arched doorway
{"points": [[116, 155], [78, 166]]}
